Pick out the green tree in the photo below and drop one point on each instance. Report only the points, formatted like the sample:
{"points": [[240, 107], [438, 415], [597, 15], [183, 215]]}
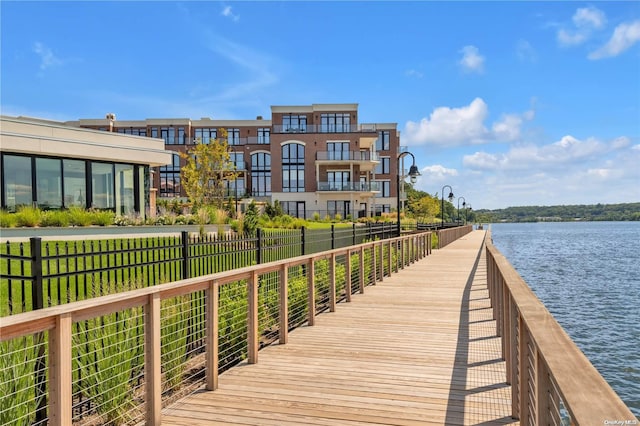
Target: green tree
{"points": [[425, 208], [208, 167]]}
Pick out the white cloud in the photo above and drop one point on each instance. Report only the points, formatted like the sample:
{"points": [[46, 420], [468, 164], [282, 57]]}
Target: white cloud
{"points": [[471, 60], [589, 17], [437, 172], [414, 73], [227, 12], [47, 58], [565, 152], [464, 126], [585, 20], [624, 36], [526, 52], [566, 38]]}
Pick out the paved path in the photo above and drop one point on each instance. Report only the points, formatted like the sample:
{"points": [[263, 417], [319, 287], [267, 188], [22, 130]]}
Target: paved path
{"points": [[418, 348]]}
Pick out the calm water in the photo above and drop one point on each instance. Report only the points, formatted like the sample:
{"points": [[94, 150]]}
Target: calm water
{"points": [[588, 276]]}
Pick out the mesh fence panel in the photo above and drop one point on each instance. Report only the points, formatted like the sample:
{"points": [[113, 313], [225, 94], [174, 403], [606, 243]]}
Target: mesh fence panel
{"points": [[268, 308], [297, 296], [232, 316]]}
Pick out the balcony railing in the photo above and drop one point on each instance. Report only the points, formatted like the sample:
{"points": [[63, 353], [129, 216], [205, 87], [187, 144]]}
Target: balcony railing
{"points": [[347, 156], [349, 186], [323, 128]]}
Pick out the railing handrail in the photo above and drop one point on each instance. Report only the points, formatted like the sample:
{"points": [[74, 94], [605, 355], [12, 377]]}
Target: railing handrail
{"points": [[347, 156], [586, 395]]}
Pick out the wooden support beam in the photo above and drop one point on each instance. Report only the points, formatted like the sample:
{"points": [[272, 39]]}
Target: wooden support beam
{"points": [[283, 312], [152, 359], [212, 329], [252, 319], [60, 391], [311, 288], [332, 283], [347, 278]]}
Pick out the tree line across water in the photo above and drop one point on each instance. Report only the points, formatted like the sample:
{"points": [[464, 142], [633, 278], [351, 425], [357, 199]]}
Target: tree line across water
{"points": [[592, 212]]}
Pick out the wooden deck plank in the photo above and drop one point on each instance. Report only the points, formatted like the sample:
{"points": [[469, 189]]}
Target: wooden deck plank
{"points": [[418, 348]]}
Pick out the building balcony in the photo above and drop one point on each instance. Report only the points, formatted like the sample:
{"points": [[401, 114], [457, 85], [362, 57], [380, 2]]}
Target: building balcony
{"points": [[348, 187], [367, 160], [323, 128]]}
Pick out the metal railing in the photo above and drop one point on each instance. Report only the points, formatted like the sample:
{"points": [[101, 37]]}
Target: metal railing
{"points": [[39, 274], [552, 381], [349, 186], [319, 128], [121, 357], [347, 156]]}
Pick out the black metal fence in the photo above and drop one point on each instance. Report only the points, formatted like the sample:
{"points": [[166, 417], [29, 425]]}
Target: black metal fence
{"points": [[39, 274]]}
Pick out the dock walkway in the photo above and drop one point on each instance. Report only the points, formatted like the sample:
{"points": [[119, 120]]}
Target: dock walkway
{"points": [[419, 348]]}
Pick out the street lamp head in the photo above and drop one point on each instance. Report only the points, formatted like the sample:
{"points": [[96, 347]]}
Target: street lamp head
{"points": [[451, 196], [414, 173]]}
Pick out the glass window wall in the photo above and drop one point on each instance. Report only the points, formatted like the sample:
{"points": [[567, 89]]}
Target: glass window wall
{"points": [[18, 186]]}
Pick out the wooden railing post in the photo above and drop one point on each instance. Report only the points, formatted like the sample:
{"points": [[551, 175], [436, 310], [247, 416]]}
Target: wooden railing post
{"points": [[390, 260], [283, 313], [543, 390], [347, 278], [212, 329], [402, 242], [512, 373], [332, 283], [373, 263], [523, 372], [381, 274], [311, 288], [361, 283], [252, 319], [152, 359], [60, 377]]}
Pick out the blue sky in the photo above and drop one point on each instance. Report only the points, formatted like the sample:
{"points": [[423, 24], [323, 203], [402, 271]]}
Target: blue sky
{"points": [[510, 103]]}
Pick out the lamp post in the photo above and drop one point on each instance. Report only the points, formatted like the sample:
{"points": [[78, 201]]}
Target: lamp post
{"points": [[466, 212], [450, 197], [413, 174], [464, 203]]}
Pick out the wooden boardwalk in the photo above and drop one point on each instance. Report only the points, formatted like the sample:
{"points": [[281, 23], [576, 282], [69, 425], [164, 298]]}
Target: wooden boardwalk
{"points": [[418, 348]]}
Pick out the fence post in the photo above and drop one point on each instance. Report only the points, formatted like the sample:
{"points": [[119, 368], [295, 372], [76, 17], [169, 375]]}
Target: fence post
{"points": [[259, 246], [333, 236], [353, 228], [37, 302], [303, 240], [185, 255]]}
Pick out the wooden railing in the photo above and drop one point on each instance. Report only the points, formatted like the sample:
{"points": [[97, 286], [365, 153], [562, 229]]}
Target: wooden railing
{"points": [[447, 236], [550, 377], [58, 321]]}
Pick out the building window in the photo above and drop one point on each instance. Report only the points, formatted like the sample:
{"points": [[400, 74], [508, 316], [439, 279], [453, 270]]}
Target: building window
{"points": [[102, 179], [49, 183], [382, 143], [154, 132], [339, 181], [264, 136], [385, 189], [16, 176], [294, 123], [341, 207], [125, 193], [181, 136], [294, 208], [383, 166], [237, 158], [382, 208], [233, 136], [205, 135], [170, 178], [169, 135], [293, 168], [75, 183], [338, 150], [335, 123], [261, 174], [235, 188], [133, 131]]}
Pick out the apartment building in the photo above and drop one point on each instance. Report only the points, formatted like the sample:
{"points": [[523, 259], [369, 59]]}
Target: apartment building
{"points": [[316, 158]]}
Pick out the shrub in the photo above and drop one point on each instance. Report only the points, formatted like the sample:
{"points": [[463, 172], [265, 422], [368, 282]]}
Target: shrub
{"points": [[55, 218], [316, 217], [79, 216], [337, 217], [102, 217], [28, 216], [7, 220]]}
